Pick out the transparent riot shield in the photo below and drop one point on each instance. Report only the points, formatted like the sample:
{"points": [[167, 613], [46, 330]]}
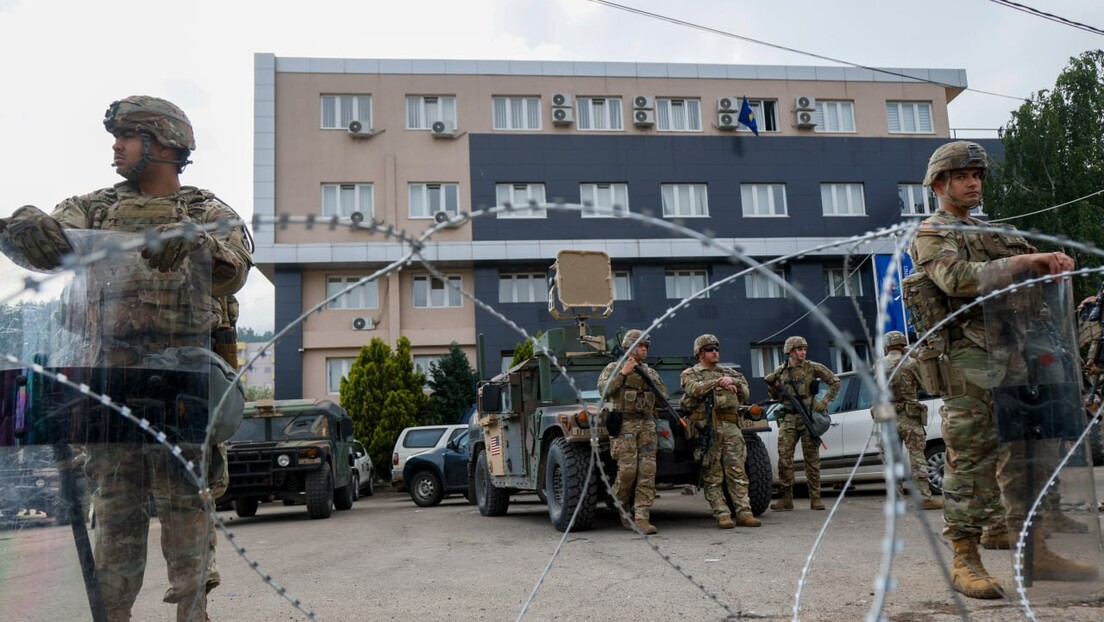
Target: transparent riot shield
{"points": [[1044, 464], [107, 413]]}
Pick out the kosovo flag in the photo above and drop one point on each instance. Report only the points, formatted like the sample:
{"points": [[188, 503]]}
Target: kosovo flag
{"points": [[747, 117]]}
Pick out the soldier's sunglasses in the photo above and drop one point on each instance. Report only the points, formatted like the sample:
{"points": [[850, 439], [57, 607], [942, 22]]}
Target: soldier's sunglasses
{"points": [[711, 349]]}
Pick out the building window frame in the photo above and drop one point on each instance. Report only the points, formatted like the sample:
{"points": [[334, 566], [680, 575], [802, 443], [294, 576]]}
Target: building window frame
{"points": [[766, 116], [516, 113], [343, 199], [841, 361], [589, 110], [426, 194], [761, 200], [336, 369], [909, 117], [430, 292], [364, 296], [609, 199], [678, 114], [835, 116], [844, 199], [912, 196], [837, 284], [338, 111], [522, 287], [758, 285], [512, 193], [686, 200], [422, 111], [683, 283], [765, 359]]}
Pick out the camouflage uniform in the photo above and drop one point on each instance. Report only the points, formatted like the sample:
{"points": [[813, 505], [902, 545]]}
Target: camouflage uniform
{"points": [[911, 417]]}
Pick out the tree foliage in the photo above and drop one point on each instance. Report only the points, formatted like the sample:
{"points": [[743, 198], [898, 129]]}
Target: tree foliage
{"points": [[383, 395], [523, 351], [1054, 154], [249, 335], [453, 383], [252, 394]]}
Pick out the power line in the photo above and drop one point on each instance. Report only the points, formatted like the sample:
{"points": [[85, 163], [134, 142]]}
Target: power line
{"points": [[1052, 17], [732, 35], [1051, 208]]}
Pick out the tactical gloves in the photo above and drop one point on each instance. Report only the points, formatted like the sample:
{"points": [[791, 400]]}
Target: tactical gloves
{"points": [[170, 244], [33, 239], [820, 406]]}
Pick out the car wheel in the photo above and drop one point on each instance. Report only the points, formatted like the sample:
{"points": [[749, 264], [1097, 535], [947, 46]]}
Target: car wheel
{"points": [[356, 486], [246, 507], [936, 456], [320, 491], [491, 501], [425, 489], [370, 487], [343, 497], [567, 485], [757, 466]]}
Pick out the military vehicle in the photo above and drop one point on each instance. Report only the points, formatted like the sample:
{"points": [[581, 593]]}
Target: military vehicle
{"points": [[533, 434], [298, 451]]}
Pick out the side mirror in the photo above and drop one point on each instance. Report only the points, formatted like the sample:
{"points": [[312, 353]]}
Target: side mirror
{"points": [[490, 399]]}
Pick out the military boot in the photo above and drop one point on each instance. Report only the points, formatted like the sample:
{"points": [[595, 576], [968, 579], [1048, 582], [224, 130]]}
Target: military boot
{"points": [[192, 610], [1057, 521], [725, 522], [747, 519], [931, 504], [1049, 566], [814, 502], [647, 528], [785, 502], [626, 523], [996, 540], [969, 575]]}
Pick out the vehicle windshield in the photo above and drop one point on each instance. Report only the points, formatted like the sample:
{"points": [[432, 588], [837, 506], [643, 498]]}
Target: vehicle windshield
{"points": [[288, 428]]}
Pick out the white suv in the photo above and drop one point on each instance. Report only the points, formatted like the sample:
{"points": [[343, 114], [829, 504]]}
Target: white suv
{"points": [[419, 439]]}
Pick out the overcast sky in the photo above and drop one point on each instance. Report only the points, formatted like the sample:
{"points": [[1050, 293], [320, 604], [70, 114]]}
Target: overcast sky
{"points": [[63, 62]]}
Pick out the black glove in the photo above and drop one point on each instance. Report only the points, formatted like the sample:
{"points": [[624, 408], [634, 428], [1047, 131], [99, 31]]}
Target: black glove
{"points": [[37, 238], [175, 242]]}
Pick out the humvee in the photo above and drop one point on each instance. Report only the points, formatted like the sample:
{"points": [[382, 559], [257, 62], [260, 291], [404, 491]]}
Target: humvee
{"points": [[532, 432], [299, 451]]}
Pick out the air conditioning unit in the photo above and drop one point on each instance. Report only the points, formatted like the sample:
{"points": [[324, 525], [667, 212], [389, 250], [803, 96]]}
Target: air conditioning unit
{"points": [[643, 102], [563, 100], [444, 217], [804, 102], [643, 118], [357, 130], [364, 323], [443, 129], [726, 104], [805, 118], [727, 120], [563, 116]]}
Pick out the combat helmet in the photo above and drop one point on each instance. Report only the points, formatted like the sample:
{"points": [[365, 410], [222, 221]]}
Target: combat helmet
{"points": [[632, 336], [794, 342], [152, 117], [954, 156], [705, 340], [895, 338]]}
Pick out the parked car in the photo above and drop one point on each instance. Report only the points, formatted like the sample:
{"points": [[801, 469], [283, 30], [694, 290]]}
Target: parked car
{"points": [[437, 473], [846, 439], [364, 474], [417, 439]]}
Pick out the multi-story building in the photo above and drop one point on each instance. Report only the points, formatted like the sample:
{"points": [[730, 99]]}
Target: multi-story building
{"points": [[840, 151], [261, 376]]}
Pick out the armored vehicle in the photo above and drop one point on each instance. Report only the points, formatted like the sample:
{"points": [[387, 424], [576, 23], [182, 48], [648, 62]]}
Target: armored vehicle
{"points": [[298, 451], [532, 432]]}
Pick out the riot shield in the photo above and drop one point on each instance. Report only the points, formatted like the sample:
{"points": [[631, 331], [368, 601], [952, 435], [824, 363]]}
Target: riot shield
{"points": [[1044, 465], [109, 405]]}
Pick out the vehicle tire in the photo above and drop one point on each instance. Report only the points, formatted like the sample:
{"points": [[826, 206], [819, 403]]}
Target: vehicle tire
{"points": [[356, 485], [541, 495], [936, 456], [491, 501], [758, 469], [425, 489], [320, 493], [343, 497], [566, 485], [1096, 444], [246, 506], [370, 487]]}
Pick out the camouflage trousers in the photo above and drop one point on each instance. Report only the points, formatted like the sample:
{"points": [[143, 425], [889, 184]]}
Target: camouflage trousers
{"points": [[723, 468], [634, 449], [126, 477], [789, 430], [914, 438]]}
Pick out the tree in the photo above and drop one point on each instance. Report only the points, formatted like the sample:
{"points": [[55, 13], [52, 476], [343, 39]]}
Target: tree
{"points": [[1053, 154], [249, 335], [252, 394], [523, 351], [453, 383]]}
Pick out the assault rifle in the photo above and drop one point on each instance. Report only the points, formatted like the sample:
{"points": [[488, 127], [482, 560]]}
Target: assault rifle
{"points": [[669, 412], [799, 407]]}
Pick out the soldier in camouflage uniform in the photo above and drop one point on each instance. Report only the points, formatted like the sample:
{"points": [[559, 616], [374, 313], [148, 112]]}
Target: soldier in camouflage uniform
{"points": [[153, 139], [912, 416], [634, 446], [799, 377], [723, 463], [963, 265]]}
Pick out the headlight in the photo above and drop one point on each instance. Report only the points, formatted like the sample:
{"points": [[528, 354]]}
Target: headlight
{"points": [[283, 460], [40, 483]]}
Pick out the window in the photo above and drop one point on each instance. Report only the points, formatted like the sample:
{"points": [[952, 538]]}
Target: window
{"points": [[835, 116], [763, 199], [339, 110], [524, 287], [364, 296], [759, 285], [684, 283], [678, 115], [916, 200], [519, 195], [765, 359], [909, 117], [606, 198], [517, 113], [344, 199], [336, 369], [766, 115], [431, 292], [841, 362], [422, 363], [422, 111], [836, 283], [842, 199], [428, 199], [680, 200], [622, 285], [599, 113]]}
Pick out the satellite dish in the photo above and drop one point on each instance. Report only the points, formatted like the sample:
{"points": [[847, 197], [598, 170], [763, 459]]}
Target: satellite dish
{"points": [[355, 127], [439, 127]]}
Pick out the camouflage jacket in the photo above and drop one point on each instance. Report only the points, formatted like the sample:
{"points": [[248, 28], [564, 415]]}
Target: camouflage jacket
{"points": [[804, 376], [905, 385], [629, 394], [698, 382]]}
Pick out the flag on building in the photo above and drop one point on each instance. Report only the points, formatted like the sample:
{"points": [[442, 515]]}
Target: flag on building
{"points": [[747, 117]]}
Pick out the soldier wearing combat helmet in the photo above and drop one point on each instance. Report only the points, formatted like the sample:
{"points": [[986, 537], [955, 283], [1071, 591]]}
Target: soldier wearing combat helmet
{"points": [[627, 396], [963, 265], [152, 141], [799, 378], [724, 389]]}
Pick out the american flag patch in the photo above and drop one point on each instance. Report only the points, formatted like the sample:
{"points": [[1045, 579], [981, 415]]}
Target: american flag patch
{"points": [[494, 445]]}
